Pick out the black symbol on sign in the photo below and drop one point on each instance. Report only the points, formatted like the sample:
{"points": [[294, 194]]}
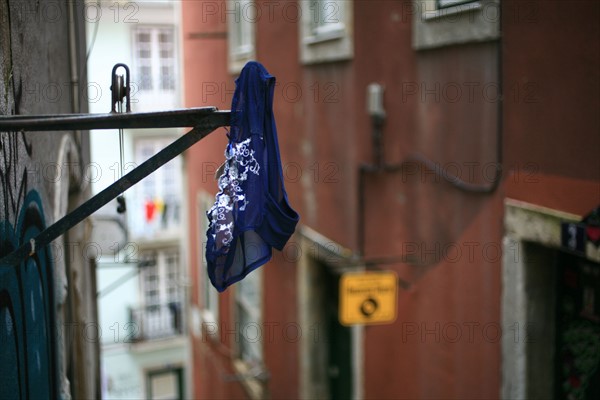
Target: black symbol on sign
{"points": [[369, 306]]}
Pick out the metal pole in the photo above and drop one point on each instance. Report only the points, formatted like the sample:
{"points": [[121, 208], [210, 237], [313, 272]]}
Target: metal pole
{"points": [[183, 118]]}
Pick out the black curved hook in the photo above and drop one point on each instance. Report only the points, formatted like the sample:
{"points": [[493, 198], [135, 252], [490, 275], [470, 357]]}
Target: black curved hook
{"points": [[117, 94]]}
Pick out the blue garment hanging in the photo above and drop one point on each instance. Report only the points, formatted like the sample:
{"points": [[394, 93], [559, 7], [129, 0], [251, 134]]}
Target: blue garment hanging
{"points": [[251, 213]]}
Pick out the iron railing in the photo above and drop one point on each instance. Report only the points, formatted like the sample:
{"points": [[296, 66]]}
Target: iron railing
{"points": [[157, 321]]}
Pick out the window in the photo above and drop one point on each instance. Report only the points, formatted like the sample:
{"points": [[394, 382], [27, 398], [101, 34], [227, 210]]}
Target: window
{"points": [[451, 3], [165, 384], [250, 335], [160, 277], [326, 31], [150, 279], [327, 18], [156, 206], [209, 297], [248, 300], [160, 312], [154, 75], [241, 33], [447, 22]]}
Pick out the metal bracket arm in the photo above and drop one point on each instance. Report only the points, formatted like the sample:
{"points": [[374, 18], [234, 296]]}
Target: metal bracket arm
{"points": [[188, 117], [205, 121]]}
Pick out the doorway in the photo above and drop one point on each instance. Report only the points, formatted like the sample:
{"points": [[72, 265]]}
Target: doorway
{"points": [[550, 301], [329, 350], [577, 363], [339, 343]]}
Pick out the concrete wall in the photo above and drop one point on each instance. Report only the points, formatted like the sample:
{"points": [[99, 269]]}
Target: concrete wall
{"points": [[49, 298]]}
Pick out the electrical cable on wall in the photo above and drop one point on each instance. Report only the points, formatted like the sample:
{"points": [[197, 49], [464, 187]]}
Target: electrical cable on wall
{"points": [[377, 112]]}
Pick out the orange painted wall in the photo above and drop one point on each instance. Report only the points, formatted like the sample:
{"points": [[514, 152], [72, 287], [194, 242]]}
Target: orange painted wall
{"points": [[551, 114], [207, 84], [444, 243]]}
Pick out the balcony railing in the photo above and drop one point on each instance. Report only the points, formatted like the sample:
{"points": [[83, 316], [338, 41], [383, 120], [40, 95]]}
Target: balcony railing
{"points": [[157, 321]]}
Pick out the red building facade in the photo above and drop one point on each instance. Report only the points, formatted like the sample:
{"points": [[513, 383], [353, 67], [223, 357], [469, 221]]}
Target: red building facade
{"points": [[489, 142]]}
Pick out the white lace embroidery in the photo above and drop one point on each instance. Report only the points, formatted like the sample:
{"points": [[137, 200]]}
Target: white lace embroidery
{"points": [[239, 162]]}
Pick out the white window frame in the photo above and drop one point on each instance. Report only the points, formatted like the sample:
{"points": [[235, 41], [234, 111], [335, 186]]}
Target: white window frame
{"points": [[253, 310], [254, 333], [326, 31], [155, 315], [156, 97], [209, 297], [164, 281], [451, 3], [241, 39], [456, 22]]}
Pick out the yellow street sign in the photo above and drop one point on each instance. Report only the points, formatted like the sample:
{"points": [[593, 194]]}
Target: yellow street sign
{"points": [[368, 298]]}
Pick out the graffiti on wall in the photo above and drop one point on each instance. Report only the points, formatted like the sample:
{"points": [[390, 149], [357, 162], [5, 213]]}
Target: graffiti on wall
{"points": [[26, 309], [26, 298]]}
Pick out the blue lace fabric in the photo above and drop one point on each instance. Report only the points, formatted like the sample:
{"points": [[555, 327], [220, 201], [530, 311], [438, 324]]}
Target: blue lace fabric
{"points": [[251, 214]]}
